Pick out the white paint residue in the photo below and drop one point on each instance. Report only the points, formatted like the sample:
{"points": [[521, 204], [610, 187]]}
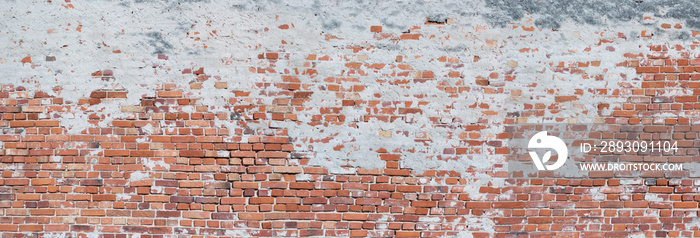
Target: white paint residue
{"points": [[237, 233], [95, 152], [123, 197], [480, 224], [637, 234], [152, 163], [652, 197], [303, 177], [56, 158], [75, 123], [429, 219], [148, 129], [138, 176], [143, 139], [54, 235]]}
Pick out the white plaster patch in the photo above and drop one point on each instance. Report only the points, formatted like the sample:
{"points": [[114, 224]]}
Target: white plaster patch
{"points": [[303, 177], [138, 176], [56, 158], [123, 197], [237, 233], [429, 219], [147, 129], [653, 197], [143, 140], [54, 235], [151, 164]]}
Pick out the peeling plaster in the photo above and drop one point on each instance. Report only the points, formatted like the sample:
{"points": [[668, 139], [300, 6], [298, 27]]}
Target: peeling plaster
{"points": [[84, 40]]}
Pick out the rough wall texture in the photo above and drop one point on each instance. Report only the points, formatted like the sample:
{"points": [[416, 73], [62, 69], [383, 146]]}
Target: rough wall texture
{"points": [[381, 119]]}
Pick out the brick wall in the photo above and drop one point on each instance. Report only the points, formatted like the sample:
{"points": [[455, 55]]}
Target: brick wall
{"points": [[268, 120]]}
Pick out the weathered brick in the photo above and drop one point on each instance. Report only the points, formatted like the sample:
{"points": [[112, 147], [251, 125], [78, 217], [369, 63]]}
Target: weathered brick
{"points": [[92, 212], [191, 184], [169, 94], [251, 216], [39, 182], [382, 187], [196, 214], [104, 197]]}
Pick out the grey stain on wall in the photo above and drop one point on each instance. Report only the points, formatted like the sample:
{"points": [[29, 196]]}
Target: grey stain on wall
{"points": [[553, 13], [159, 44]]}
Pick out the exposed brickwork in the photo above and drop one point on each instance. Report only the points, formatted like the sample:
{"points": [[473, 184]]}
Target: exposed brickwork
{"points": [[162, 171], [137, 176]]}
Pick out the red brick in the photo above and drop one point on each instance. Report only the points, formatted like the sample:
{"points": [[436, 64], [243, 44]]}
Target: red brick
{"points": [[653, 84], [192, 153], [116, 94], [329, 216], [565, 98], [653, 70], [250, 185], [424, 204], [196, 214], [98, 94], [30, 197], [251, 216], [408, 188], [45, 123], [271, 55], [42, 212], [142, 153], [288, 169], [301, 185], [354, 217], [272, 154], [685, 205], [21, 123], [191, 184], [104, 197], [508, 220], [661, 190], [10, 109], [92, 212], [170, 94], [143, 214], [342, 200], [262, 200], [123, 123], [686, 98], [314, 200], [382, 187], [39, 182], [6, 227], [408, 234], [243, 154], [390, 157], [30, 228], [120, 153], [223, 216], [636, 204], [410, 36]]}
